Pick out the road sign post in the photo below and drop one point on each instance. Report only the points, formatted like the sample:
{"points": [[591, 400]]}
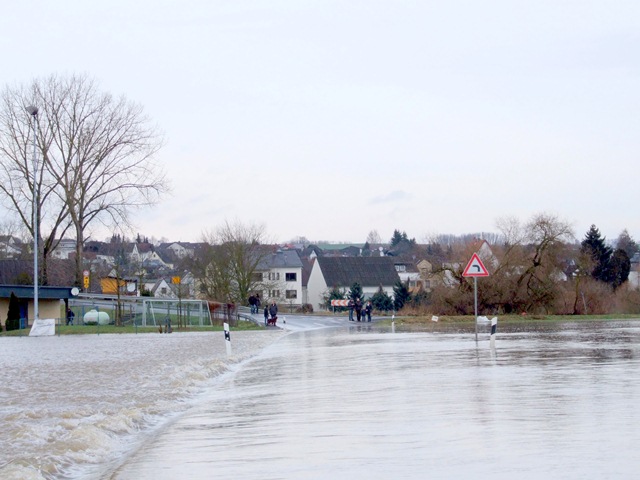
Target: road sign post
{"points": [[475, 268]]}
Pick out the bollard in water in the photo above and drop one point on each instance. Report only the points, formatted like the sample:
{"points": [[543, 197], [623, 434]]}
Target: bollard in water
{"points": [[227, 338], [393, 324], [494, 327]]}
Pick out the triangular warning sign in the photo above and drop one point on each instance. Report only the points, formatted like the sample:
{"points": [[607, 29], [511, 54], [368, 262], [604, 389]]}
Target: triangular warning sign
{"points": [[475, 268]]}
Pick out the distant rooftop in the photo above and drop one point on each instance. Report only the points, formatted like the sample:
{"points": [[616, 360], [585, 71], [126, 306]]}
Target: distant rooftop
{"points": [[338, 246]]}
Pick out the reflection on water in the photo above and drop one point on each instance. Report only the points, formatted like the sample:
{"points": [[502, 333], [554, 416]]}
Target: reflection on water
{"points": [[552, 400]]}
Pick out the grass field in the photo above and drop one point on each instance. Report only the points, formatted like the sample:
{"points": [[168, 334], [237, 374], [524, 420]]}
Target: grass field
{"points": [[128, 329], [417, 320]]}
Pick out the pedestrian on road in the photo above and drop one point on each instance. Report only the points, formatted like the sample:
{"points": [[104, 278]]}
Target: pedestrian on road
{"points": [[358, 307], [350, 306], [266, 314], [273, 309], [367, 310]]}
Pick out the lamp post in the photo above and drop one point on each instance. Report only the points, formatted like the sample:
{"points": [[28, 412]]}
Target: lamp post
{"points": [[33, 111]]}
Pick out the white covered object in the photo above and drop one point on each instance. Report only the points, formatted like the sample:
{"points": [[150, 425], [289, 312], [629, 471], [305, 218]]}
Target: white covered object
{"points": [[43, 327], [93, 317]]}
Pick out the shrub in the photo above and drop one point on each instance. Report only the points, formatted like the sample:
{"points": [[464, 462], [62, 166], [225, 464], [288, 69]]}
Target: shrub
{"points": [[381, 301], [13, 315]]}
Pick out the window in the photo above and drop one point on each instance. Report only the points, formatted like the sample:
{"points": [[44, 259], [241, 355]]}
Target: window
{"points": [[274, 275], [256, 277], [274, 293], [291, 294], [291, 277]]}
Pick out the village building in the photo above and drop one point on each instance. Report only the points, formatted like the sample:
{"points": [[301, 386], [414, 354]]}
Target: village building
{"points": [[371, 273]]}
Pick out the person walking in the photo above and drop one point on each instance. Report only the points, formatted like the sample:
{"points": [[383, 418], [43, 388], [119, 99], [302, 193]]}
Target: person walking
{"points": [[350, 306], [70, 316], [367, 310], [266, 314], [358, 307], [273, 310]]}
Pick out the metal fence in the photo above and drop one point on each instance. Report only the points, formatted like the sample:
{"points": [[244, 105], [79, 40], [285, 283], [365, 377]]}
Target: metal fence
{"points": [[155, 312], [143, 311]]}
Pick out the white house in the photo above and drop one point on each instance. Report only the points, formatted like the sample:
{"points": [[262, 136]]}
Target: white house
{"points": [[160, 288], [65, 247], [281, 276], [408, 273], [371, 273]]}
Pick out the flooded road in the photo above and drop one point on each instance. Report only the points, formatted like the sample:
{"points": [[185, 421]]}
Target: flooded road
{"points": [[551, 401]]}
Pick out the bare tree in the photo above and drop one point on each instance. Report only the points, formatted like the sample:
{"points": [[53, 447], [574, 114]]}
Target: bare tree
{"points": [[374, 238], [532, 263], [227, 265], [17, 173], [96, 155]]}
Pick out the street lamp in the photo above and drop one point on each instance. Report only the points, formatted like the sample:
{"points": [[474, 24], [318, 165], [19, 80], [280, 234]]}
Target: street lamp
{"points": [[33, 111]]}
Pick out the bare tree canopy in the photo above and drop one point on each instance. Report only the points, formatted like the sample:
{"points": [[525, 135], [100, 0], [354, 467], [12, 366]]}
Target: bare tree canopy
{"points": [[374, 238], [227, 265], [96, 154]]}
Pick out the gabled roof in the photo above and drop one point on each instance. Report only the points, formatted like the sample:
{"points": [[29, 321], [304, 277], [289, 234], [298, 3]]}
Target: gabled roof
{"points": [[10, 240], [311, 249], [15, 271], [280, 259], [367, 271], [410, 267], [307, 265]]}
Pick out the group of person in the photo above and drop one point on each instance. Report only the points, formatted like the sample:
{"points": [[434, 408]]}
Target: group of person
{"points": [[254, 303], [271, 313], [270, 309], [362, 312]]}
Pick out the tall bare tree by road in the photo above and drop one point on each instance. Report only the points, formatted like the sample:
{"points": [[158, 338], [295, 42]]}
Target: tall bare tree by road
{"points": [[97, 152], [17, 186]]}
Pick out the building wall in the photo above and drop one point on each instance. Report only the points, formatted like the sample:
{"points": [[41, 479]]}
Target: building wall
{"points": [[46, 309], [283, 285], [316, 287]]}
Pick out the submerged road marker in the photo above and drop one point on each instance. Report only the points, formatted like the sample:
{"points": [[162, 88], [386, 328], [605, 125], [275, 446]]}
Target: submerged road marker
{"points": [[494, 327], [227, 338]]}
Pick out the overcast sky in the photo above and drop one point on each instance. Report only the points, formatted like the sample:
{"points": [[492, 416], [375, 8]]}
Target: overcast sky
{"points": [[329, 119]]}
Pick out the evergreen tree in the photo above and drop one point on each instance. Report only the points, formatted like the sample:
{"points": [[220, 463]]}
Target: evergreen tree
{"points": [[397, 238], [13, 315], [401, 295], [594, 245], [355, 291], [381, 301], [619, 268]]}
